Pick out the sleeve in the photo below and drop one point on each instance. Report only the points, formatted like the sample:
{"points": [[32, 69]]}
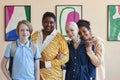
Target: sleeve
{"points": [[63, 48], [92, 69], [37, 55], [7, 51], [34, 37], [97, 56]]}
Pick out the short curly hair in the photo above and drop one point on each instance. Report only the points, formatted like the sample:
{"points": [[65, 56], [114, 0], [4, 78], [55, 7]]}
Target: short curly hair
{"points": [[49, 14]]}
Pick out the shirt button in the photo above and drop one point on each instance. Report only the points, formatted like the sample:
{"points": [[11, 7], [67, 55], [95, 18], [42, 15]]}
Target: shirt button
{"points": [[75, 51], [73, 76], [75, 57], [74, 63], [74, 70]]}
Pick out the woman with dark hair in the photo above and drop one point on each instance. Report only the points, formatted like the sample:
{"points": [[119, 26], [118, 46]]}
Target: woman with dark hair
{"points": [[96, 55], [79, 66], [50, 43]]}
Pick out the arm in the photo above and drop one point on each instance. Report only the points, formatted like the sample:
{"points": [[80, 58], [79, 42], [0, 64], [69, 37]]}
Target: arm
{"points": [[63, 49], [37, 70], [4, 68], [97, 55]]}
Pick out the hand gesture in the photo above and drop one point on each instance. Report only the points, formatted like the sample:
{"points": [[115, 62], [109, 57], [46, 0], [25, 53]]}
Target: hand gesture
{"points": [[88, 43], [60, 55]]}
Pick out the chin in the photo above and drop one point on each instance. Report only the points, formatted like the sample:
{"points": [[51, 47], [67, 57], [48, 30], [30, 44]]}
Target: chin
{"points": [[71, 38], [83, 38]]}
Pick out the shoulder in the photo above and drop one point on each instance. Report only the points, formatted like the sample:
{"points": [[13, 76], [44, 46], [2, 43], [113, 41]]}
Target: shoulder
{"points": [[34, 36], [60, 35], [96, 38], [98, 41], [10, 44], [35, 33], [8, 50]]}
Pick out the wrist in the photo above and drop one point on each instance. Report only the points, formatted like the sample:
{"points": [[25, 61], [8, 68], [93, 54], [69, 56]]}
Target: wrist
{"points": [[88, 49]]}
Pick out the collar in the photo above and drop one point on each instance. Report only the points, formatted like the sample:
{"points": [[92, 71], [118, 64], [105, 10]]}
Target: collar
{"points": [[20, 44], [53, 32], [81, 41]]}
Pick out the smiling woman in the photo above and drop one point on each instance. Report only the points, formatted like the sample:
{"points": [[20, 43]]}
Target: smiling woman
{"points": [[51, 43], [79, 66], [94, 48]]}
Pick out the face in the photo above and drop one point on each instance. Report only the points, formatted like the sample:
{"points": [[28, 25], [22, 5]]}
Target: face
{"points": [[71, 32], [48, 24], [24, 32], [84, 33]]}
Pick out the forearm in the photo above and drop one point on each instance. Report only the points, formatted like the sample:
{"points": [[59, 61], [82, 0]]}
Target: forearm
{"points": [[4, 69], [60, 61], [55, 62], [37, 70], [96, 58], [37, 75], [6, 73]]}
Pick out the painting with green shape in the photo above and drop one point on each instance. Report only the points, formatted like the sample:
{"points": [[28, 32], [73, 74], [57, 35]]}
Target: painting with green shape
{"points": [[113, 22]]}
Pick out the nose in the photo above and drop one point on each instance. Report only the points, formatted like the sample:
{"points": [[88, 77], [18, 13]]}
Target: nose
{"points": [[48, 23], [69, 33], [82, 34], [25, 31]]}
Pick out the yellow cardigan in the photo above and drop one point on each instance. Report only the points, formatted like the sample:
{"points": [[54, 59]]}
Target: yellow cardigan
{"points": [[49, 53]]}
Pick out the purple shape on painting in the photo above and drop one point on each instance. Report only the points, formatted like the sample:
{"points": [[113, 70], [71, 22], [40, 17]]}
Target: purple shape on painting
{"points": [[72, 16], [9, 12]]}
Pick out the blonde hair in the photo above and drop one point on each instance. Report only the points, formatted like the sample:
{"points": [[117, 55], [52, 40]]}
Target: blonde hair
{"points": [[26, 23], [73, 24]]}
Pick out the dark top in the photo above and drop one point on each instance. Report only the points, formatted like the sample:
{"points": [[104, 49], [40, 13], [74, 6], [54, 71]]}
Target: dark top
{"points": [[79, 66]]}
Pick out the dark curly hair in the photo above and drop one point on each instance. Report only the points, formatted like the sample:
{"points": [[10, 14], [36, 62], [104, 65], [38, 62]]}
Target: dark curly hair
{"points": [[84, 23], [49, 14]]}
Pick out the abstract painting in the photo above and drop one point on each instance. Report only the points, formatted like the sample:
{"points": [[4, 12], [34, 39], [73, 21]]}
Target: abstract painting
{"points": [[113, 22], [65, 14], [13, 14]]}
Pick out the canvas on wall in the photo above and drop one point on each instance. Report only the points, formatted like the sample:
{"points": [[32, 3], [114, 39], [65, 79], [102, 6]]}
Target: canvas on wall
{"points": [[13, 14], [113, 22], [65, 14]]}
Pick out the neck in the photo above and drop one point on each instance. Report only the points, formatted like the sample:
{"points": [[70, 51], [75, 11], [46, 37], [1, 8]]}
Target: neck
{"points": [[23, 41], [76, 40], [46, 32]]}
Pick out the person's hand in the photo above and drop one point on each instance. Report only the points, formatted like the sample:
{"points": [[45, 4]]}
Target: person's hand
{"points": [[88, 43], [60, 55], [42, 64]]}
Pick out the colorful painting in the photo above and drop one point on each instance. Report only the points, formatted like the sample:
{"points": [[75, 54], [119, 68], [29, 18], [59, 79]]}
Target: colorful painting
{"points": [[65, 14], [113, 22], [13, 14]]}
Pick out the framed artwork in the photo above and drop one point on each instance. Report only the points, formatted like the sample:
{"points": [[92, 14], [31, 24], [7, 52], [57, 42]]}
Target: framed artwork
{"points": [[13, 14], [65, 14], [113, 22]]}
